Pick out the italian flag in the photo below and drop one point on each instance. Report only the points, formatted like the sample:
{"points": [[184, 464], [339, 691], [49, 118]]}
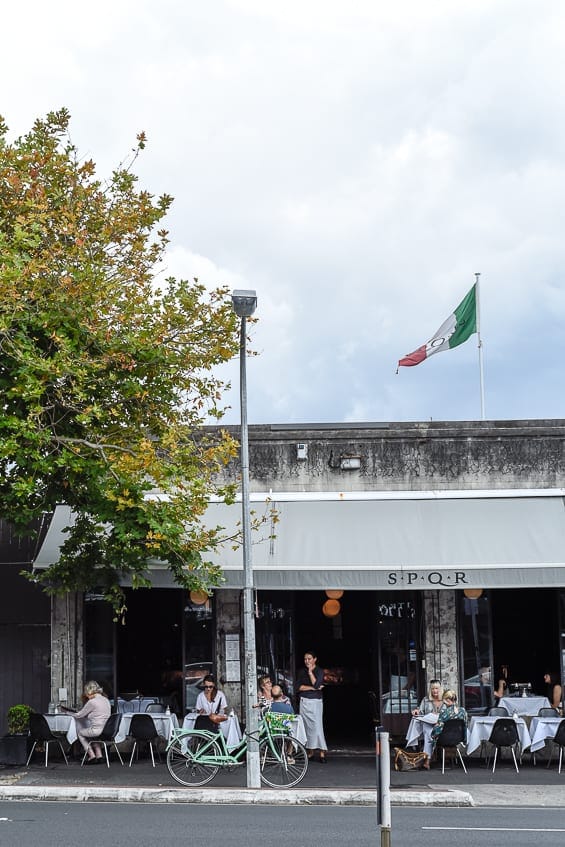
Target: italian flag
{"points": [[454, 331]]}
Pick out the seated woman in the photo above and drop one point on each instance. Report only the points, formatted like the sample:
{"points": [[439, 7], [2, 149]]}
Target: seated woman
{"points": [[432, 702], [265, 691], [554, 689], [449, 711], [211, 705], [91, 720]]}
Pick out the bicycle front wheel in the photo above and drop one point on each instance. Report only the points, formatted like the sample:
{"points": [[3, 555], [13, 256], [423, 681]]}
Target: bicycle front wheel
{"points": [[190, 759], [283, 760]]}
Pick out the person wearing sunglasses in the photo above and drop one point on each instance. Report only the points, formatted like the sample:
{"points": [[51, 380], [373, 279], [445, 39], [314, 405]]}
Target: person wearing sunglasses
{"points": [[211, 706]]}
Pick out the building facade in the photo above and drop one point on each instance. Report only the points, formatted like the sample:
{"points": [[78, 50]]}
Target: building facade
{"points": [[398, 552]]}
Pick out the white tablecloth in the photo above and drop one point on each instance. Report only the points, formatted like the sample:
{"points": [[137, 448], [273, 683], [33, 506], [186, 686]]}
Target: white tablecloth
{"points": [[422, 726], [524, 705], [164, 724], [542, 729], [230, 728], [480, 729], [297, 729], [63, 723]]}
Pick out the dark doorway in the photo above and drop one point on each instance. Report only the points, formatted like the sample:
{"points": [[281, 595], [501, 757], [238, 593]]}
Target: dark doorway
{"points": [[525, 634], [345, 650]]}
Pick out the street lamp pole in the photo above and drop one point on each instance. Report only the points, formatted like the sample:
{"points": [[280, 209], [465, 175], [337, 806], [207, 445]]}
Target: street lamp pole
{"points": [[244, 304]]}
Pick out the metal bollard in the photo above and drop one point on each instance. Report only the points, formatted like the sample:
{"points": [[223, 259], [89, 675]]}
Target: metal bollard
{"points": [[382, 750]]}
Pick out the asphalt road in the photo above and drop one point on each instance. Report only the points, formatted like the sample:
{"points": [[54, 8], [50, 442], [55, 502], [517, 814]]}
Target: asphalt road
{"points": [[130, 825]]}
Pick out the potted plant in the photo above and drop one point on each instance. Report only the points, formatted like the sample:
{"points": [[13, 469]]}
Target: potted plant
{"points": [[14, 747]]}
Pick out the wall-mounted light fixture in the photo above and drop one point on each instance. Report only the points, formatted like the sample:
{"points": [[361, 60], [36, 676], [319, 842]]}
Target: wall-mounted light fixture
{"points": [[302, 452], [350, 463]]}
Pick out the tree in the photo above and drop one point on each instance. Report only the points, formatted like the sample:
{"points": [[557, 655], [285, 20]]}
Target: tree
{"points": [[106, 377]]}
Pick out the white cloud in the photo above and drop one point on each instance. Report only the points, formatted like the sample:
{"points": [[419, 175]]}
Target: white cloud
{"points": [[354, 163]]}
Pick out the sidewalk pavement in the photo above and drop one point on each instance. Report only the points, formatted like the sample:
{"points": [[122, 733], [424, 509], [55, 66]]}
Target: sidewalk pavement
{"points": [[345, 780]]}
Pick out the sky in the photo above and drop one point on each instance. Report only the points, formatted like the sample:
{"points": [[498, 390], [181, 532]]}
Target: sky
{"points": [[355, 163]]}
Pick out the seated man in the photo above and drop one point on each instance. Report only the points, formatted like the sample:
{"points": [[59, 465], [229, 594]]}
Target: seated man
{"points": [[279, 704]]}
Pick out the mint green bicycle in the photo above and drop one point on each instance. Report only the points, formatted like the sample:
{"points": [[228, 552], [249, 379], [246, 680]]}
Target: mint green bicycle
{"points": [[195, 756]]}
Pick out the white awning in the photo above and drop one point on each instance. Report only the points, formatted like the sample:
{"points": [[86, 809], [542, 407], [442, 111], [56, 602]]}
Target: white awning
{"points": [[380, 540]]}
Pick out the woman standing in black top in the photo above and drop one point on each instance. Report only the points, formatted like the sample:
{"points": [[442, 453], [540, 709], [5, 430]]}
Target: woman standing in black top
{"points": [[310, 684]]}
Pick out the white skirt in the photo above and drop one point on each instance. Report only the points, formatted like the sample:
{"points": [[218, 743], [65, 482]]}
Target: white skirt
{"points": [[312, 712]]}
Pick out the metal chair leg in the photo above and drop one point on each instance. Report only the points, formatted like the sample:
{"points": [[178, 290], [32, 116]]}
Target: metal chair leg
{"points": [[118, 753], [514, 757], [31, 753], [63, 752], [461, 759]]}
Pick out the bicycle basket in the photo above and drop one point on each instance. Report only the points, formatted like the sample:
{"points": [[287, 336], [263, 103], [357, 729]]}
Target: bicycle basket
{"points": [[279, 721]]}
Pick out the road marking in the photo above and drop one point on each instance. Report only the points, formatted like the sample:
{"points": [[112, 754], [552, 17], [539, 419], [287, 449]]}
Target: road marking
{"points": [[492, 829]]}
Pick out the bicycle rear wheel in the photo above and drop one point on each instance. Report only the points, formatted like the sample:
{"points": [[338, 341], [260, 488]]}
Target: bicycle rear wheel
{"points": [[188, 759], [283, 761]]}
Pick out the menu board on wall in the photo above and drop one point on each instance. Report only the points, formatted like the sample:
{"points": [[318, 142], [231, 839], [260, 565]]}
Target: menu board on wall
{"points": [[232, 652]]}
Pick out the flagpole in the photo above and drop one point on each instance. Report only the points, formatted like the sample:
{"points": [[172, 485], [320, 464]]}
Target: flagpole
{"points": [[480, 346]]}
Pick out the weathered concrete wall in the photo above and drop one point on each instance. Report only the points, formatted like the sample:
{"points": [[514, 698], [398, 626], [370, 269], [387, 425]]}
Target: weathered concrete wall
{"points": [[440, 638], [407, 456], [67, 655], [228, 621]]}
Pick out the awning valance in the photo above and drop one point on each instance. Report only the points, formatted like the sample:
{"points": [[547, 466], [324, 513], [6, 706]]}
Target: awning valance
{"points": [[408, 540]]}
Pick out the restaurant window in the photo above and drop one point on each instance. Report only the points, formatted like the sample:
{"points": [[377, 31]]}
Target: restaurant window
{"points": [[198, 646], [274, 628], [99, 641], [476, 652], [397, 627]]}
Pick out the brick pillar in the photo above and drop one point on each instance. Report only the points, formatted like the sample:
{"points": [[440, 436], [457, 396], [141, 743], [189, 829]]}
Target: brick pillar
{"points": [[67, 655]]}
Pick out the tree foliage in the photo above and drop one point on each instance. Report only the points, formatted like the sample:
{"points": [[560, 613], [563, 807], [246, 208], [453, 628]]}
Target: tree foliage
{"points": [[106, 376]]}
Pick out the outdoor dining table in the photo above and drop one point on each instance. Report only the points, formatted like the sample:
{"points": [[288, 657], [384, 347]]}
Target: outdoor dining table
{"points": [[541, 729], [164, 724], [480, 729], [421, 726], [524, 706], [230, 728], [63, 723]]}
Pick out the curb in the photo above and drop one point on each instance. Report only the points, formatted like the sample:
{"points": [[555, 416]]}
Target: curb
{"points": [[223, 796]]}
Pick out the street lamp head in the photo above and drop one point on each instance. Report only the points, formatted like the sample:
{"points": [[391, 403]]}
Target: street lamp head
{"points": [[244, 302]]}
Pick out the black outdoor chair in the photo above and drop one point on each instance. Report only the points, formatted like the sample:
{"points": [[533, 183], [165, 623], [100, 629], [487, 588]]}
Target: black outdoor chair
{"points": [[498, 711], [41, 733], [454, 732], [504, 734], [559, 740], [106, 738], [548, 712], [155, 708], [143, 731]]}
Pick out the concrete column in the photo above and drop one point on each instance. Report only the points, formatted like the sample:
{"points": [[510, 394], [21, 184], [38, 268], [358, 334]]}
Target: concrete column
{"points": [[67, 653], [228, 622], [440, 640]]}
